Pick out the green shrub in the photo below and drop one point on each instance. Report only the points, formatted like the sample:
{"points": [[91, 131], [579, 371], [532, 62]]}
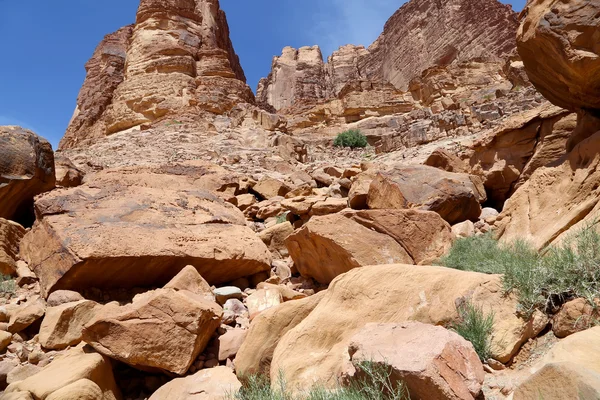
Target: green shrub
{"points": [[282, 218], [351, 138], [541, 281], [7, 285], [476, 327], [374, 383]]}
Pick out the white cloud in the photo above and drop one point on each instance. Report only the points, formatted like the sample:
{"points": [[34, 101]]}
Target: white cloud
{"points": [[356, 22]]}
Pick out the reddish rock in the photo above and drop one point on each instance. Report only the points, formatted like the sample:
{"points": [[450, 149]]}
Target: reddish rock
{"points": [[26, 170]]}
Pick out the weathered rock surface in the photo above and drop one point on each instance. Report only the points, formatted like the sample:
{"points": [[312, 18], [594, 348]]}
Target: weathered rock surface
{"points": [[328, 246], [314, 349], [67, 174], [210, 384], [77, 364], [162, 329], [570, 370], [574, 316], [432, 362], [557, 201], [255, 355], [507, 157], [456, 197], [26, 314], [423, 234], [140, 227], [26, 170], [411, 42], [11, 234], [558, 43], [63, 325], [189, 279], [177, 57]]}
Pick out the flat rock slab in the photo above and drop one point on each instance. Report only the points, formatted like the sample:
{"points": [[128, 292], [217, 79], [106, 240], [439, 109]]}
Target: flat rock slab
{"points": [[140, 227]]}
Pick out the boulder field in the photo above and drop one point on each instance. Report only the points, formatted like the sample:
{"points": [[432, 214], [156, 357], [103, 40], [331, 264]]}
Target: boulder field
{"points": [[189, 238]]}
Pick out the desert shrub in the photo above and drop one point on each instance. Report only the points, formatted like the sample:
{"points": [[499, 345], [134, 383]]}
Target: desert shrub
{"points": [[476, 327], [7, 285], [282, 218], [374, 383], [541, 280], [351, 138]]}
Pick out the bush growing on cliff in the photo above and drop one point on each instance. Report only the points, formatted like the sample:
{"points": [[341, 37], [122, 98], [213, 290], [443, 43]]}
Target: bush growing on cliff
{"points": [[7, 285], [375, 384], [351, 138], [541, 280]]}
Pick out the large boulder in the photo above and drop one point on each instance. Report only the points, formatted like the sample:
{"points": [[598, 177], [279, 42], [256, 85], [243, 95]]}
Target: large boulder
{"points": [[570, 370], [315, 350], [26, 170], [255, 355], [433, 362], [162, 330], [217, 383], [558, 42], [139, 227], [557, 201], [456, 197], [62, 325], [328, 246], [11, 234], [423, 234], [80, 363]]}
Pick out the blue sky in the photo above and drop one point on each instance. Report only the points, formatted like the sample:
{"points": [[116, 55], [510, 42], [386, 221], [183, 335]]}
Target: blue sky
{"points": [[45, 44]]}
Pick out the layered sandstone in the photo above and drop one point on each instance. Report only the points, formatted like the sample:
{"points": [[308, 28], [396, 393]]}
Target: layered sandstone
{"points": [[420, 35], [177, 58]]}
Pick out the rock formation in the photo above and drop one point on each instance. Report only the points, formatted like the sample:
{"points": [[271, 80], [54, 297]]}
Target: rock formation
{"points": [[420, 35], [177, 57]]}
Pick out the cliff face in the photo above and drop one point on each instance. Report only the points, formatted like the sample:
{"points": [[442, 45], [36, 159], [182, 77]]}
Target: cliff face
{"points": [[177, 57], [420, 35]]}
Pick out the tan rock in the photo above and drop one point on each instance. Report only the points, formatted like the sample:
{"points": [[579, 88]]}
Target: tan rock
{"points": [[287, 294], [443, 159], [455, 197], [16, 396], [262, 300], [25, 315], [269, 188], [6, 366], [245, 200], [62, 325], [433, 363], [25, 276], [575, 316], [358, 195], [5, 339], [557, 201], [63, 296], [558, 381], [557, 43], [314, 349], [464, 229], [209, 384], [67, 174], [135, 333], [274, 237], [423, 234], [328, 246], [143, 243], [83, 389], [580, 348], [255, 354], [26, 171], [230, 343], [22, 372], [76, 364], [189, 279], [329, 206], [11, 234]]}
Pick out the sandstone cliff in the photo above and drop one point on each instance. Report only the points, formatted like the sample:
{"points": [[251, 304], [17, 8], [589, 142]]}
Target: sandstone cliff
{"points": [[177, 57], [420, 35]]}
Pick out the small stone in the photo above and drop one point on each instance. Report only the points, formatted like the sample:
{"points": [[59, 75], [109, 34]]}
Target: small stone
{"points": [[211, 363], [225, 293], [5, 340]]}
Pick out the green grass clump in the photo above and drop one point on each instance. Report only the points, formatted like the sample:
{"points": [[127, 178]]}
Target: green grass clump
{"points": [[7, 285], [281, 218], [351, 138], [541, 280], [374, 382], [476, 327]]}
